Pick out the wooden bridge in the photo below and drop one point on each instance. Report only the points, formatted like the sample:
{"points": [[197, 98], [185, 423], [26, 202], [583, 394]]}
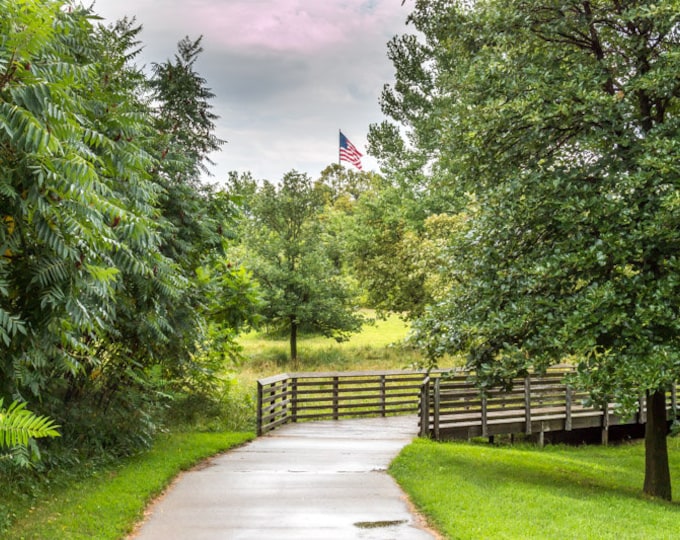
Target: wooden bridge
{"points": [[448, 403], [294, 397]]}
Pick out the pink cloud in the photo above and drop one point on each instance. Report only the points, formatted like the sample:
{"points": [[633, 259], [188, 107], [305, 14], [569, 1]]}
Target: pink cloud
{"points": [[286, 25]]}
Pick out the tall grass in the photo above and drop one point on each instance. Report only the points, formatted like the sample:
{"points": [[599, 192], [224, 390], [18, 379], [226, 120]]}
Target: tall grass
{"points": [[380, 345], [472, 491]]}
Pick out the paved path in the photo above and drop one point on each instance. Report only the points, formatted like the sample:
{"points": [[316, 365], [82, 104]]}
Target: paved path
{"points": [[314, 480]]}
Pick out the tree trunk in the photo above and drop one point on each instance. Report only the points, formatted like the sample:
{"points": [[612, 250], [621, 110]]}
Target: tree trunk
{"points": [[657, 473], [293, 341]]}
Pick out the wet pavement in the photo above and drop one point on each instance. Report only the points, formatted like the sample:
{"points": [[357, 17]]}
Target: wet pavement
{"points": [[314, 480]]}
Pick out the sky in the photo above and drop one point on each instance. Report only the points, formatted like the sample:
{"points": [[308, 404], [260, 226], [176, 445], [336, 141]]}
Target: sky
{"points": [[286, 74]]}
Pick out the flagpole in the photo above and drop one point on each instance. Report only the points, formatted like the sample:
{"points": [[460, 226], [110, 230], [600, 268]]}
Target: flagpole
{"points": [[339, 160]]}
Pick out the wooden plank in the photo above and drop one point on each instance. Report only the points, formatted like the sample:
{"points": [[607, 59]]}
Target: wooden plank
{"points": [[401, 394], [275, 406], [274, 425], [375, 405], [273, 379], [266, 400], [352, 414], [369, 373], [316, 389], [269, 419], [329, 397]]}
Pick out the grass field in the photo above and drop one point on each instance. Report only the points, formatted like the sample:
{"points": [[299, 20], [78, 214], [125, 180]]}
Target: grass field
{"points": [[105, 503], [379, 345], [477, 491]]}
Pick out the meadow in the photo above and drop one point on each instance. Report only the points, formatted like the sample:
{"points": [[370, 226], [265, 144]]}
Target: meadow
{"points": [[380, 345]]}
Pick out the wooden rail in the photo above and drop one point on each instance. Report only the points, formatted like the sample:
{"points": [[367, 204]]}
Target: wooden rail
{"points": [[448, 403], [293, 397], [452, 407]]}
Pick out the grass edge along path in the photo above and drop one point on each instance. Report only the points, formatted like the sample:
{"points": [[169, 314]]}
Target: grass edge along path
{"points": [[473, 491], [108, 505]]}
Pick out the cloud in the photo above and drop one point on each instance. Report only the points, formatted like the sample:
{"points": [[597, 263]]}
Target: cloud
{"points": [[286, 73], [270, 25], [288, 25]]}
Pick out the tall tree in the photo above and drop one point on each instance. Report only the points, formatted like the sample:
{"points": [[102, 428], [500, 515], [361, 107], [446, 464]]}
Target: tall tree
{"points": [[289, 253], [104, 223], [70, 157], [555, 125], [191, 225]]}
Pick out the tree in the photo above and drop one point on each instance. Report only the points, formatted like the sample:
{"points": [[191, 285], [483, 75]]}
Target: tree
{"points": [[103, 224], [383, 244], [159, 325], [70, 157], [288, 251], [379, 222], [554, 124], [372, 229]]}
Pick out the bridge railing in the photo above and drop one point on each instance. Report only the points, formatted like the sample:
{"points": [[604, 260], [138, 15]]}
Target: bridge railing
{"points": [[452, 407], [293, 397], [448, 403]]}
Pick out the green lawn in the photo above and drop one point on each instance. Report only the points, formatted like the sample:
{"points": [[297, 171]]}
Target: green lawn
{"points": [[478, 491], [108, 501]]}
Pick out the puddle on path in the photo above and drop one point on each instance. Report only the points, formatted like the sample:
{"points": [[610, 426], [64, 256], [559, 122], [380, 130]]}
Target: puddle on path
{"points": [[378, 524]]}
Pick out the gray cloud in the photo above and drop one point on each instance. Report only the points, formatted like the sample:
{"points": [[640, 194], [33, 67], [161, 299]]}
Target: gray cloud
{"points": [[282, 92]]}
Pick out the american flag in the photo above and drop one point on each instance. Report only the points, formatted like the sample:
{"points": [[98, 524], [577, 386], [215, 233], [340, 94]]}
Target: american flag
{"points": [[349, 152]]}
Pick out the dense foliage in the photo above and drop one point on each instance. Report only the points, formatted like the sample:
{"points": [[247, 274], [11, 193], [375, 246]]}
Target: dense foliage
{"points": [[104, 224], [554, 127]]}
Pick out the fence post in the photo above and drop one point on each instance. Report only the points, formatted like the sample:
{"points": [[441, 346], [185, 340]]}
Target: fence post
{"points": [[383, 396], [437, 401], [485, 429], [282, 400], [293, 401], [527, 404], [569, 399], [336, 395], [425, 407], [259, 408]]}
